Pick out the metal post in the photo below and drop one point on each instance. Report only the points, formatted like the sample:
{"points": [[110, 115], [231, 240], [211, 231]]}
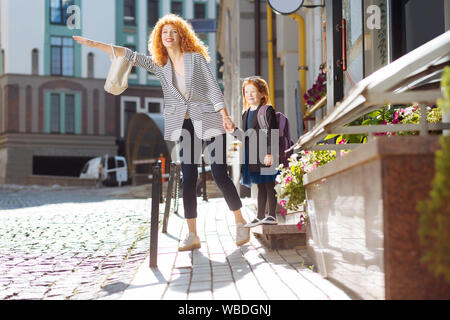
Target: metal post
{"points": [[177, 188], [172, 177], [154, 221], [423, 120], [205, 197], [335, 76], [161, 200]]}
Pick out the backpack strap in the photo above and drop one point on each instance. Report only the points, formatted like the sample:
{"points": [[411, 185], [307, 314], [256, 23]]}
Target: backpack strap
{"points": [[262, 119]]}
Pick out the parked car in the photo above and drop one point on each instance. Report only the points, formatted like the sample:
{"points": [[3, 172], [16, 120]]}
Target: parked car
{"points": [[110, 170]]}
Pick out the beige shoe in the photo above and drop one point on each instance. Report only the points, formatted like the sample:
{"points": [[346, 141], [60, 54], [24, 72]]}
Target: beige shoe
{"points": [[242, 234], [190, 243]]}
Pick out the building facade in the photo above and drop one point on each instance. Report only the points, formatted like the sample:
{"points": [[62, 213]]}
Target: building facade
{"points": [[54, 112], [376, 33]]}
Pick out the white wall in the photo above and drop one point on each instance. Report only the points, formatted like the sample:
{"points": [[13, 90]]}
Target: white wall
{"points": [[98, 23], [287, 51], [23, 28]]}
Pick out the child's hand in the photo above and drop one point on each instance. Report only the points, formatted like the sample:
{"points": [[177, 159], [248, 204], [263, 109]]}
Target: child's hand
{"points": [[228, 125], [268, 160]]}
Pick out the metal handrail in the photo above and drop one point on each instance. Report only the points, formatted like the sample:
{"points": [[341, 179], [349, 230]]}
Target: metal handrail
{"points": [[319, 105]]}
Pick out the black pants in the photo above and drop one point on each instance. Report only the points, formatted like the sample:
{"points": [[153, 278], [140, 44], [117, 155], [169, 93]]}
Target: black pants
{"points": [[266, 193], [189, 168]]}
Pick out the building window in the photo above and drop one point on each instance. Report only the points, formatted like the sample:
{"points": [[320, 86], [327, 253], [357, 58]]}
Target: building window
{"points": [[3, 61], [203, 36], [154, 107], [70, 113], [176, 7], [129, 10], [55, 108], [130, 111], [62, 56], [58, 11], [62, 113], [153, 12], [35, 62], [90, 65], [200, 10]]}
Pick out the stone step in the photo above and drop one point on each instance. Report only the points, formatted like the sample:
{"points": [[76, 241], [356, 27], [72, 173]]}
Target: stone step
{"points": [[281, 236]]}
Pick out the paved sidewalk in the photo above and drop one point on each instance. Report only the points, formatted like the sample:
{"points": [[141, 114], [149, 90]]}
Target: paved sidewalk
{"points": [[222, 271], [69, 243]]}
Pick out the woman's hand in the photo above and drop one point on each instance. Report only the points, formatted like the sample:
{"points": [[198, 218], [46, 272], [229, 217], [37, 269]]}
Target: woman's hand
{"points": [[85, 41], [268, 160]]}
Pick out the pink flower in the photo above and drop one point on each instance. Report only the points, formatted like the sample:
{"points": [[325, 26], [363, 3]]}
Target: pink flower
{"points": [[343, 141], [299, 226], [288, 180], [283, 212], [282, 203], [395, 120]]}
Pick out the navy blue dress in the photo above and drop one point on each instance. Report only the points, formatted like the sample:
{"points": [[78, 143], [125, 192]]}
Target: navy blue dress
{"points": [[248, 177]]}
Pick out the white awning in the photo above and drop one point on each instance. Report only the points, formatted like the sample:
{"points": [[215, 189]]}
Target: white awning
{"points": [[397, 83]]}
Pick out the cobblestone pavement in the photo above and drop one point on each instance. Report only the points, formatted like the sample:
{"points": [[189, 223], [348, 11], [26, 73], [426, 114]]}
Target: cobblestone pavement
{"points": [[69, 243]]}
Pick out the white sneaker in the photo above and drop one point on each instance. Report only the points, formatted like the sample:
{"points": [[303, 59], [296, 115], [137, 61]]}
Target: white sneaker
{"points": [[254, 223], [242, 234], [270, 220], [190, 243]]}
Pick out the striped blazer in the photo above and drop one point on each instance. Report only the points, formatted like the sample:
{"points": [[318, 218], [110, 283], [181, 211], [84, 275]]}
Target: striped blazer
{"points": [[204, 98]]}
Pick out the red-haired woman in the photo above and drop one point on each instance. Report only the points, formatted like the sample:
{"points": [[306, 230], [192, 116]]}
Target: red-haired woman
{"points": [[194, 109]]}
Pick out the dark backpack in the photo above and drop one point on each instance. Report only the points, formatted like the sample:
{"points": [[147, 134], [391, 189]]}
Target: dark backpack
{"points": [[285, 141]]}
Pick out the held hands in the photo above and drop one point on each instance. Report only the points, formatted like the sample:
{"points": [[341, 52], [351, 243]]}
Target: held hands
{"points": [[268, 160], [228, 124]]}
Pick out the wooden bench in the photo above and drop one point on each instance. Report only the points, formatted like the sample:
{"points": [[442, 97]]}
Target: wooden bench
{"points": [[284, 235]]}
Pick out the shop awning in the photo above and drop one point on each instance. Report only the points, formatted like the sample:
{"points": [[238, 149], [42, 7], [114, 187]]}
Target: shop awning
{"points": [[412, 79]]}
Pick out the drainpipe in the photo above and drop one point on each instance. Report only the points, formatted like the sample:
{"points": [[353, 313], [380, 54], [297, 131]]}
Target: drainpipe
{"points": [[257, 38], [302, 68], [270, 54]]}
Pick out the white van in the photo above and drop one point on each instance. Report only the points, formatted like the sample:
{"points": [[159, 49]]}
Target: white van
{"points": [[111, 171]]}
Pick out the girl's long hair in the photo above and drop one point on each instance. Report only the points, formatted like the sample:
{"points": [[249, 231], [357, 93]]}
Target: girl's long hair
{"points": [[261, 86], [189, 40]]}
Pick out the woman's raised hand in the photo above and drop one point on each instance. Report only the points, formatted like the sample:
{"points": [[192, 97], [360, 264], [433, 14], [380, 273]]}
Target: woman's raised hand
{"points": [[85, 41]]}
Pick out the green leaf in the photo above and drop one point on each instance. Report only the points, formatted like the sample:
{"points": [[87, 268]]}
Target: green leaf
{"points": [[331, 136]]}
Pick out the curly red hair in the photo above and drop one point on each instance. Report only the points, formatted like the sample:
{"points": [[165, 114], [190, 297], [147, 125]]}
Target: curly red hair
{"points": [[261, 86], [189, 40]]}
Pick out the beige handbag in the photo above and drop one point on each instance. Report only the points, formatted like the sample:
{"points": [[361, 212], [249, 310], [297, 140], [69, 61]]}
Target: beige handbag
{"points": [[117, 80]]}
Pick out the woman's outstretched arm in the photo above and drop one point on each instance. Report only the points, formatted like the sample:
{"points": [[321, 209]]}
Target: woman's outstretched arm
{"points": [[120, 51], [142, 61]]}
